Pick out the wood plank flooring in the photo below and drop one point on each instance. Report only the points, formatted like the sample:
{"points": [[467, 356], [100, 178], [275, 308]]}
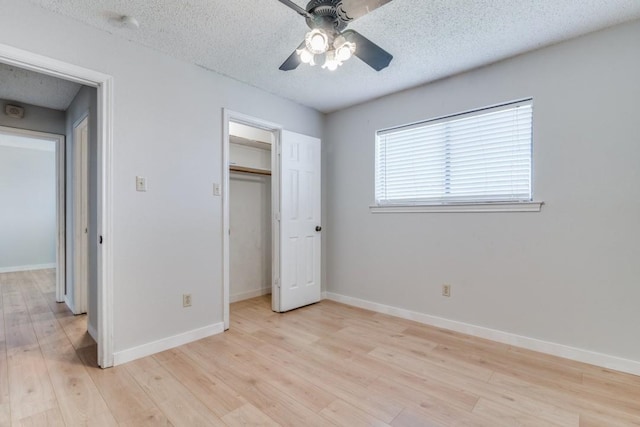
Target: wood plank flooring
{"points": [[326, 364]]}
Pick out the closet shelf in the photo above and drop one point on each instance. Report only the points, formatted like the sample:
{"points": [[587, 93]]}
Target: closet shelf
{"points": [[233, 139], [244, 169]]}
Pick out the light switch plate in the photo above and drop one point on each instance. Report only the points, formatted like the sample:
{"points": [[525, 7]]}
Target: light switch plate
{"points": [[217, 190]]}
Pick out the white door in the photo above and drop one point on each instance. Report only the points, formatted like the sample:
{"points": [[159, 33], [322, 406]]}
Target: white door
{"points": [[300, 228], [79, 289]]}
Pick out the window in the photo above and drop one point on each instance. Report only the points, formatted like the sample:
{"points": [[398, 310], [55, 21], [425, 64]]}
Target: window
{"points": [[479, 157]]}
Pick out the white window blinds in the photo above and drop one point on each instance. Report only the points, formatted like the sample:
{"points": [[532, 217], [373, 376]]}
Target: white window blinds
{"points": [[481, 156]]}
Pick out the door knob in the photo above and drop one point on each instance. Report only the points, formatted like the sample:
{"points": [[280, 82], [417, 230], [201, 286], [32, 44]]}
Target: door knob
{"points": [[318, 228]]}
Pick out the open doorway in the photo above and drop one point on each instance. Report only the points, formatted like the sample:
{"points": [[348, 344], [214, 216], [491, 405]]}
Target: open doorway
{"points": [[251, 203], [250, 146], [32, 225], [48, 170], [103, 86], [250, 214]]}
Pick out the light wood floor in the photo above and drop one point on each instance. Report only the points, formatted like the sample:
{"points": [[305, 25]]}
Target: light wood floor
{"points": [[326, 364]]}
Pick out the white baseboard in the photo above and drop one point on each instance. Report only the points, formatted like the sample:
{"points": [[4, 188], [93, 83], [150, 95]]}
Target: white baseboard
{"points": [[92, 332], [27, 267], [551, 348], [148, 349], [250, 294]]}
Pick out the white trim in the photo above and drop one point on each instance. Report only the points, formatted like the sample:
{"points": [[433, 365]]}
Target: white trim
{"points": [[227, 116], [249, 294], [226, 225], [61, 219], [49, 66], [27, 267], [105, 223], [554, 349], [78, 286], [463, 207], [104, 84], [92, 332], [276, 209], [154, 347]]}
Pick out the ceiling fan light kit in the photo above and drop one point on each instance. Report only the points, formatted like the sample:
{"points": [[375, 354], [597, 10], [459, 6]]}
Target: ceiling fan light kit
{"points": [[327, 20], [344, 49], [317, 42], [331, 63]]}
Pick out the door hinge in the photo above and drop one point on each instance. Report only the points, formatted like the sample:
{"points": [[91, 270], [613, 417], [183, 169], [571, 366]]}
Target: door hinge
{"points": [[277, 283], [277, 215], [100, 240]]}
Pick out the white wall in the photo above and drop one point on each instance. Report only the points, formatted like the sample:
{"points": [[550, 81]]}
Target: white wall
{"points": [[568, 274], [250, 239], [27, 206], [35, 118], [248, 156], [167, 127]]}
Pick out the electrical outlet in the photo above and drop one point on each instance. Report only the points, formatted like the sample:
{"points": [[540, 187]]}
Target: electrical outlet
{"points": [[446, 290], [141, 183], [186, 300]]}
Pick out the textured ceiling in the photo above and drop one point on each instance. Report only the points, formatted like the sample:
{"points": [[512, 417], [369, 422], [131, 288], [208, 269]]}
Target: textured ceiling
{"points": [[248, 40], [22, 86]]}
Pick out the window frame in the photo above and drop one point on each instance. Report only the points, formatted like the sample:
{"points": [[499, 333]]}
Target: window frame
{"points": [[456, 206]]}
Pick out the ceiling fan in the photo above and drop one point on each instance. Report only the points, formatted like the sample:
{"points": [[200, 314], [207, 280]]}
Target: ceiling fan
{"points": [[327, 20]]}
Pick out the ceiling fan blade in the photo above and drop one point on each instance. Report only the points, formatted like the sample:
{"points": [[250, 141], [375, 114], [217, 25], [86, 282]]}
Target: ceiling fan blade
{"points": [[354, 9], [369, 52], [295, 7], [292, 61]]}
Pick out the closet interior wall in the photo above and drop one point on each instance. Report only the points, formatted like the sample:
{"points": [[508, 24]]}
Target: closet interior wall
{"points": [[250, 214]]}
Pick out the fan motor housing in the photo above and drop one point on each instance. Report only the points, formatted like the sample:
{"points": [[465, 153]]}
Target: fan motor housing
{"points": [[325, 14]]}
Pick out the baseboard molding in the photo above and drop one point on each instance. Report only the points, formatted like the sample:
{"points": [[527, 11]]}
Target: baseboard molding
{"points": [[250, 294], [27, 267], [148, 349], [551, 348], [92, 332]]}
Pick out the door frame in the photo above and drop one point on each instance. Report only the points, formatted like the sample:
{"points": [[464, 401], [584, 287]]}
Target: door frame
{"points": [[104, 85], [276, 129], [78, 302], [61, 234]]}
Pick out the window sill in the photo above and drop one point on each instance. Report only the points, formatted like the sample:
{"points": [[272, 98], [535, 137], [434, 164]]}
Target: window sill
{"points": [[461, 207]]}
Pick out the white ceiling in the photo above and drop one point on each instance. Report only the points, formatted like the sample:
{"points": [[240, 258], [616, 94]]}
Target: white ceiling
{"points": [[22, 86], [248, 40]]}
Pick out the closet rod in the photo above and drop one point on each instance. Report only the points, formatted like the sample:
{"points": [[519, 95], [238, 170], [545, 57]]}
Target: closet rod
{"points": [[244, 169]]}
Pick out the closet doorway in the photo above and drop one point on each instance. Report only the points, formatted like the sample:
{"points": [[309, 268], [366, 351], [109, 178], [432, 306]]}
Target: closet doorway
{"points": [[250, 234], [271, 224]]}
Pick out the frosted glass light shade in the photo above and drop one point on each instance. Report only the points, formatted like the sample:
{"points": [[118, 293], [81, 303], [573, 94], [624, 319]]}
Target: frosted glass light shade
{"points": [[317, 41]]}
